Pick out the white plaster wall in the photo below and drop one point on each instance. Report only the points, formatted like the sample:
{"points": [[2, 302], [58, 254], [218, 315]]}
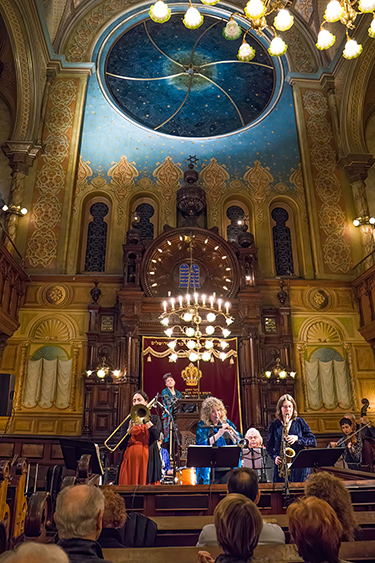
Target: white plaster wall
{"points": [[5, 170]]}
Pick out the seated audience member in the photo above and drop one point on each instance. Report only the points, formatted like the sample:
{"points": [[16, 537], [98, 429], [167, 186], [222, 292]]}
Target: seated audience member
{"points": [[114, 518], [316, 530], [244, 481], [326, 486], [255, 456], [353, 445], [238, 524], [32, 552], [164, 454], [78, 517]]}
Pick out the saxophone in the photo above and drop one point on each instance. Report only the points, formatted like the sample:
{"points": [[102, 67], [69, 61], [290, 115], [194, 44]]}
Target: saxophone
{"points": [[286, 452]]}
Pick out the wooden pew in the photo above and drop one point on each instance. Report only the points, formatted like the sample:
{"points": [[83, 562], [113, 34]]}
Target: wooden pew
{"points": [[356, 552]]}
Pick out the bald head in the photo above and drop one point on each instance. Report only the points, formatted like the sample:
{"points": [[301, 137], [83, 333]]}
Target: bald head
{"points": [[32, 552], [79, 512]]}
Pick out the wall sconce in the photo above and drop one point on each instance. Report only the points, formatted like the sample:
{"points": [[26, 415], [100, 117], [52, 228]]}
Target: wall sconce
{"points": [[14, 210], [103, 371], [364, 221], [279, 372]]}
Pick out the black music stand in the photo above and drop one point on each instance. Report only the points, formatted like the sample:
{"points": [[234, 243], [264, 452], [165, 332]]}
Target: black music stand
{"points": [[209, 456], [316, 457], [73, 450], [256, 459]]}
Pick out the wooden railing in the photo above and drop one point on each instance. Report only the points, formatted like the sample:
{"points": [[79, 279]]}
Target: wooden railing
{"points": [[12, 290]]}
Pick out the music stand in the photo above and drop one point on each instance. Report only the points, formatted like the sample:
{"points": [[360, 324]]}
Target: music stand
{"points": [[73, 450], [209, 456], [317, 457]]}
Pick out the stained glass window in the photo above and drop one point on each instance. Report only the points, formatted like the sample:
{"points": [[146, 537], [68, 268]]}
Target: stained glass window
{"points": [[96, 238]]}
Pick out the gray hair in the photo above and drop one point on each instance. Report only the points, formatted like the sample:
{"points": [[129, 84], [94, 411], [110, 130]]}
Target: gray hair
{"points": [[77, 512], [257, 432], [33, 552]]}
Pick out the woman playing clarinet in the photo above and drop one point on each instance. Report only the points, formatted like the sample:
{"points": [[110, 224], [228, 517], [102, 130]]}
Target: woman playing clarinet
{"points": [[299, 436]]}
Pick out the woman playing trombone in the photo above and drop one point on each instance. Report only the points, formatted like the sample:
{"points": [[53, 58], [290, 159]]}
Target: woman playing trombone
{"points": [[141, 462]]}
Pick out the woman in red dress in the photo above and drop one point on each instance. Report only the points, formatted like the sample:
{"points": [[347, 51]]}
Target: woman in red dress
{"points": [[141, 462]]}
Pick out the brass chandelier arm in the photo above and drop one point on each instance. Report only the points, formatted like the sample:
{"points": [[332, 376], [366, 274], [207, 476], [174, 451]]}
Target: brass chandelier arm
{"points": [[224, 92]]}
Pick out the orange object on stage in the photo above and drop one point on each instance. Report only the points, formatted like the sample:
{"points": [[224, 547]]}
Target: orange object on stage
{"points": [[186, 476]]}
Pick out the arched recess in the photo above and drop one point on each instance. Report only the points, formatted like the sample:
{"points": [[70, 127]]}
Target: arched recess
{"points": [[149, 199], [326, 365], [27, 68], [248, 214], [293, 224], [95, 229], [48, 375]]}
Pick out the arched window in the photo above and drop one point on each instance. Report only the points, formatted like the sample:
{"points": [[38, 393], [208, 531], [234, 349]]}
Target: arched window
{"points": [[282, 243], [142, 221], [97, 238], [237, 225]]}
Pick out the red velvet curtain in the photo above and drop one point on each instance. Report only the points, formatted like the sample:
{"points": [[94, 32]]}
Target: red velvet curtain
{"points": [[218, 377]]}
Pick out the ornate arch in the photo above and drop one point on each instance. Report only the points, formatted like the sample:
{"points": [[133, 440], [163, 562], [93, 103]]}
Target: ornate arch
{"points": [[329, 328], [28, 98], [56, 328]]}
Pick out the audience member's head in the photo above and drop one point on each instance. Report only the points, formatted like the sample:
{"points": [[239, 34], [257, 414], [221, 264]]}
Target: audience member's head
{"points": [[254, 437], [79, 512], [114, 509], [244, 481], [32, 552], [315, 529], [327, 487], [238, 524]]}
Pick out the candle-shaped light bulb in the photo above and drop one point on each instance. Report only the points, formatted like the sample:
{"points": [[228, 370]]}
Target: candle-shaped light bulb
{"points": [[227, 307], [219, 301], [180, 300], [204, 300], [172, 303], [165, 306], [196, 297], [188, 298], [212, 300]]}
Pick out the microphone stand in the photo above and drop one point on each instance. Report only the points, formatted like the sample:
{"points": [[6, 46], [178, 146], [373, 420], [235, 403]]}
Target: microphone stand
{"points": [[173, 435], [263, 474]]}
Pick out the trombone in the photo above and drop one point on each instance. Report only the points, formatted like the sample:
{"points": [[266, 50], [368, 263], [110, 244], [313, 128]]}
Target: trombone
{"points": [[139, 414]]}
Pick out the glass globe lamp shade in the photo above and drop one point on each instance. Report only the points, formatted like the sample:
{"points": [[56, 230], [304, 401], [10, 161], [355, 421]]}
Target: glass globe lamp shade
{"points": [[192, 19], [268, 374], [283, 21], [211, 317], [190, 332], [226, 332], [245, 53], [278, 47], [206, 356], [190, 344], [366, 6], [282, 374], [168, 332], [224, 344], [210, 329], [24, 211], [187, 317], [352, 49], [88, 372], [255, 9], [172, 344], [223, 356], [159, 12], [372, 220], [173, 357], [356, 223], [229, 321], [209, 344], [334, 11], [193, 356], [371, 29], [325, 39], [100, 373], [116, 372], [292, 374], [210, 2], [232, 30]]}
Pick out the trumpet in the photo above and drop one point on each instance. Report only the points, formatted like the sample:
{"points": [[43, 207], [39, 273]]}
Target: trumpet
{"points": [[139, 414], [234, 435]]}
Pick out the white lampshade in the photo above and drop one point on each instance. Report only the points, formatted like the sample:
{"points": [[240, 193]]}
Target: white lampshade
{"points": [[226, 332], [172, 344], [232, 30], [334, 11], [169, 331], [366, 6], [190, 331], [325, 39], [159, 12], [245, 52], [371, 29], [100, 373], [211, 317], [352, 49], [224, 344], [206, 356], [193, 356], [283, 21], [165, 321], [277, 47], [210, 329], [187, 317], [192, 19], [356, 223], [255, 9], [173, 357], [209, 344], [223, 356], [190, 344]]}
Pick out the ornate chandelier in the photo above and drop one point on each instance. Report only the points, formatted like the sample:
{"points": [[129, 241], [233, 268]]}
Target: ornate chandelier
{"points": [[196, 321], [255, 14], [279, 372], [346, 12]]}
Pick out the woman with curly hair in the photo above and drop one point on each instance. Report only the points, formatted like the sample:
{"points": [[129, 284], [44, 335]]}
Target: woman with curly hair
{"points": [[114, 518], [299, 436], [327, 487], [316, 530], [214, 428]]}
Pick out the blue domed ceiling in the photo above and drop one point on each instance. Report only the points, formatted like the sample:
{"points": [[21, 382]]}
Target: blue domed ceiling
{"points": [[188, 83]]}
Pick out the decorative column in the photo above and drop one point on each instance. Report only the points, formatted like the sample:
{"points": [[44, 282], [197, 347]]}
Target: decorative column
{"points": [[356, 167], [21, 157], [251, 402]]}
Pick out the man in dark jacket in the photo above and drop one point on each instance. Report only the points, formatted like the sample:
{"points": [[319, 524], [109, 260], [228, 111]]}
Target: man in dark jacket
{"points": [[78, 517]]}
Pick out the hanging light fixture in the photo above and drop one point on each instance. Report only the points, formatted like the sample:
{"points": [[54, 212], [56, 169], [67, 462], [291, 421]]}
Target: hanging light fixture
{"points": [[199, 325], [346, 12], [279, 372], [255, 14], [103, 371]]}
